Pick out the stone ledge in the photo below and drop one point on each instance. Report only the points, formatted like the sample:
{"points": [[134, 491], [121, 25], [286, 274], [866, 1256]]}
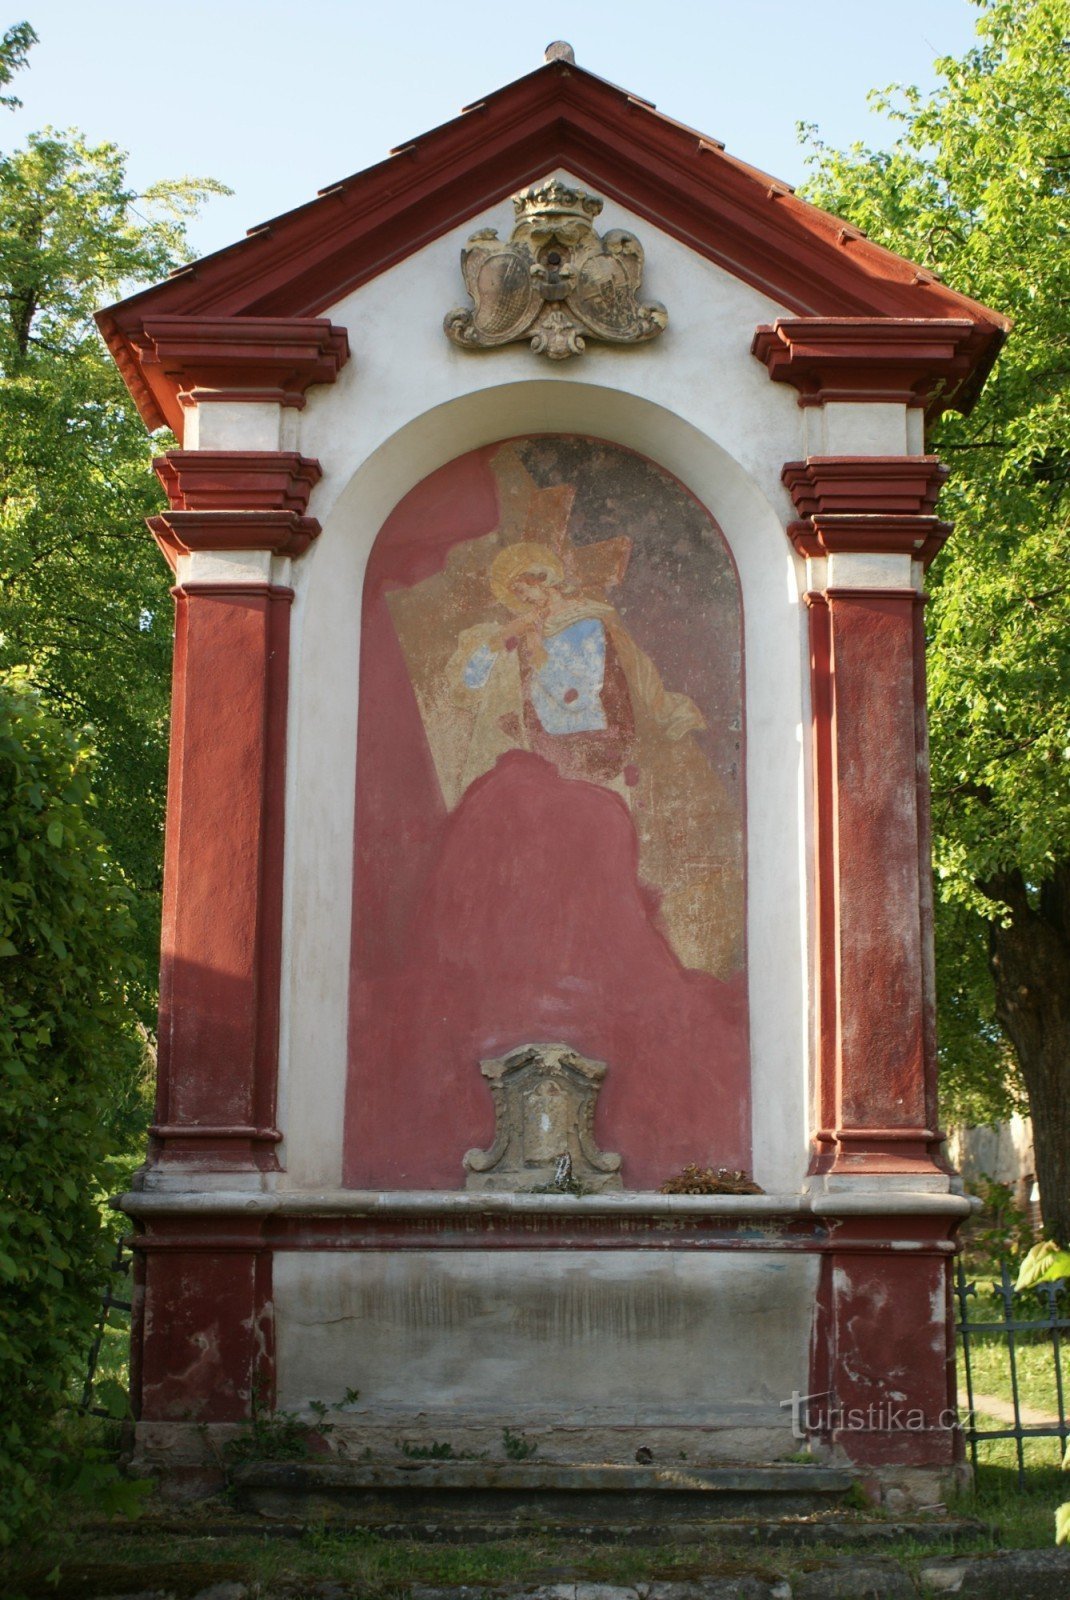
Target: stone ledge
{"points": [[759, 1533], [428, 1495], [149, 1203], [539, 1475]]}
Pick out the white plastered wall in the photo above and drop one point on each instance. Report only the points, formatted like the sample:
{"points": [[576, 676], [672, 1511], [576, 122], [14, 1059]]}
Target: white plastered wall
{"points": [[700, 405], [588, 1342]]}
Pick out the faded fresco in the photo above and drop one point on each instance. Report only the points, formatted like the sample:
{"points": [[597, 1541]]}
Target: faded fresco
{"points": [[575, 759]]}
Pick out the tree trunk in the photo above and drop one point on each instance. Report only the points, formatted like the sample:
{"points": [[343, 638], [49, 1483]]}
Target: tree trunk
{"points": [[1030, 962]]}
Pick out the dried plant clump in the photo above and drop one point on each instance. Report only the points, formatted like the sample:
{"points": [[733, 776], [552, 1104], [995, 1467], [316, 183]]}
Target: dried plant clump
{"points": [[706, 1180]]}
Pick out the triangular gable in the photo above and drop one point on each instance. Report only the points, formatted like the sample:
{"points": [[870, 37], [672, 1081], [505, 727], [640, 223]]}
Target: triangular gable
{"points": [[560, 115]]}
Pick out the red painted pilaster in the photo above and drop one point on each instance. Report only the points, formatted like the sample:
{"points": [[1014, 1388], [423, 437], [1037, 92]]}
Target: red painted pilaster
{"points": [[220, 964], [208, 1342], [875, 1094], [222, 913], [877, 956], [825, 974], [882, 1390]]}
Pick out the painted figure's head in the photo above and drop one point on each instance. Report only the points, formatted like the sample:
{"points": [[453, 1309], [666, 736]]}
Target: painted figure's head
{"points": [[523, 575]]}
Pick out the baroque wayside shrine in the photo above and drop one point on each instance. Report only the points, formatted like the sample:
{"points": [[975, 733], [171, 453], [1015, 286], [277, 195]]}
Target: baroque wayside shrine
{"points": [[548, 816]]}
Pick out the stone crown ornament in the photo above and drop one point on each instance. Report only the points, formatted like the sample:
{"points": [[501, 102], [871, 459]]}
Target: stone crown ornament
{"points": [[555, 282]]}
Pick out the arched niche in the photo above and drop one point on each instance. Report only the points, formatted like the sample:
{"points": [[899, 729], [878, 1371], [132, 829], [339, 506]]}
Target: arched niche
{"points": [[323, 747], [550, 813]]}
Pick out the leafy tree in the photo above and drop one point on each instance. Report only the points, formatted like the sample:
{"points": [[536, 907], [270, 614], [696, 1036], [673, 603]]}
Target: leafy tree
{"points": [[14, 48], [977, 188], [70, 1069], [85, 620], [84, 613], [83, 594]]}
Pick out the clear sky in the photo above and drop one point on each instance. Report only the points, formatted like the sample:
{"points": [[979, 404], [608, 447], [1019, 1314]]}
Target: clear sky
{"points": [[277, 98]]}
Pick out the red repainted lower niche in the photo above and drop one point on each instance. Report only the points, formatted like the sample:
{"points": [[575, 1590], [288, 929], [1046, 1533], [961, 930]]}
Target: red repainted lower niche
{"points": [[525, 877]]}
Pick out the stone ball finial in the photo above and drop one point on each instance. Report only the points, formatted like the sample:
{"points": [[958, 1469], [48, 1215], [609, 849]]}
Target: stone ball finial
{"points": [[559, 50]]}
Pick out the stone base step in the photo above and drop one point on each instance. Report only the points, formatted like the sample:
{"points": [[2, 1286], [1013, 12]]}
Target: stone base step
{"points": [[814, 1532], [516, 1496]]}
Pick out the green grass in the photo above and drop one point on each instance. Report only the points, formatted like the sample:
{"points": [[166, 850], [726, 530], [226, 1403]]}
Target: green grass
{"points": [[1025, 1516], [991, 1375], [87, 1562], [1039, 1455], [990, 1367]]}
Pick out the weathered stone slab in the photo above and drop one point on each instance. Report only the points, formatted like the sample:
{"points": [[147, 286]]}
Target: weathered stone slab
{"points": [[428, 1591], [737, 1588], [612, 1477], [1006, 1575], [475, 1501], [463, 1496], [855, 1580], [557, 1341], [142, 1594]]}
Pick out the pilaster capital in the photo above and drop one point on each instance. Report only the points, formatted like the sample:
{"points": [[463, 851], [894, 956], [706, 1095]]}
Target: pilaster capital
{"points": [[920, 538], [183, 533], [896, 485], [237, 480], [188, 360], [235, 500], [914, 361], [866, 505]]}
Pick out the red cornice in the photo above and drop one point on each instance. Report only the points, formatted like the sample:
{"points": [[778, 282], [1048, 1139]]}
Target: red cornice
{"points": [[890, 485], [918, 537], [183, 360], [284, 533], [803, 259], [931, 362], [866, 505], [237, 480]]}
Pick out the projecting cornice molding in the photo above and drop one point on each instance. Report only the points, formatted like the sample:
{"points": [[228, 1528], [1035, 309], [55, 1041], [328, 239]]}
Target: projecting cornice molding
{"points": [[866, 505], [237, 480], [915, 361], [887, 485], [178, 361], [182, 533], [235, 500], [921, 538]]}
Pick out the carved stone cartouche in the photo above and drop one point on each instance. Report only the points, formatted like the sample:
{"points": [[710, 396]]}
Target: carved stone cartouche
{"points": [[555, 281], [544, 1103]]}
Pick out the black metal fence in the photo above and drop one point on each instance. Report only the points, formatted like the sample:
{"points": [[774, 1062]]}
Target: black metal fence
{"points": [[120, 1269], [1046, 1321]]}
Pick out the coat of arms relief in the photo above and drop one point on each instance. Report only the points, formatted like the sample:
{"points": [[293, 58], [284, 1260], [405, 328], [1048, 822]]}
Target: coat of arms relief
{"points": [[555, 281]]}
